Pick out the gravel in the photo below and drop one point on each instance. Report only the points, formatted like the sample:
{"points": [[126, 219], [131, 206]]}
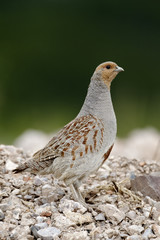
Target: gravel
{"points": [[40, 207]]}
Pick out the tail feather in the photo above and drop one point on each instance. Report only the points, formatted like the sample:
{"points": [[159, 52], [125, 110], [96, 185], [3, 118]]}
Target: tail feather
{"points": [[20, 168], [25, 166], [35, 165]]}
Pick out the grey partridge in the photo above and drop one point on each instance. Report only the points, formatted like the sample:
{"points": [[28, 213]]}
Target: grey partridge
{"points": [[84, 144]]}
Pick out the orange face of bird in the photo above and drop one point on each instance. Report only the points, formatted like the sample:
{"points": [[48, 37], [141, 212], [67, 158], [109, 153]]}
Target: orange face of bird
{"points": [[108, 72]]}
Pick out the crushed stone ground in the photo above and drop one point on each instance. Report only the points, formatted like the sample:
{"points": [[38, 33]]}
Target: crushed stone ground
{"points": [[40, 207]]}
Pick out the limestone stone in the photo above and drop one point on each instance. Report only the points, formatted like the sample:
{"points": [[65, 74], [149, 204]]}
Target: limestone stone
{"points": [[48, 233], [131, 214], [72, 205], [10, 165], [27, 219], [82, 235], [112, 212], [135, 229], [46, 190], [62, 221], [100, 217], [151, 183], [78, 218], [156, 229], [2, 216]]}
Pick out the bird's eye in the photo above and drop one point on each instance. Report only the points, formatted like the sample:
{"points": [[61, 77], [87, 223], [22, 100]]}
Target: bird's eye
{"points": [[108, 66]]}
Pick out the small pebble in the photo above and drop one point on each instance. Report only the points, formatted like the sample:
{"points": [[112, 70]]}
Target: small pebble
{"points": [[40, 219], [133, 237], [4, 206], [100, 217], [2, 216], [28, 197], [79, 235], [147, 234], [41, 225], [16, 191], [131, 214], [133, 229], [48, 233], [37, 181], [46, 190], [156, 229]]}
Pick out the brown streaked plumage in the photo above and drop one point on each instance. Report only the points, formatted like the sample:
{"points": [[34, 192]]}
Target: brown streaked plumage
{"points": [[106, 155], [83, 145]]}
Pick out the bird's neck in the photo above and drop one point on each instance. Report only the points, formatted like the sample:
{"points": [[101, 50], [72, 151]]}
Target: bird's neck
{"points": [[98, 100]]}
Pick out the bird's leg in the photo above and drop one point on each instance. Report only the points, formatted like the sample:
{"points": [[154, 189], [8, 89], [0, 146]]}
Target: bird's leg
{"points": [[77, 195], [77, 184]]}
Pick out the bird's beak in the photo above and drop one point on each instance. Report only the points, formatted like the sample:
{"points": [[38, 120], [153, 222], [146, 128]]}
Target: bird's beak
{"points": [[119, 69]]}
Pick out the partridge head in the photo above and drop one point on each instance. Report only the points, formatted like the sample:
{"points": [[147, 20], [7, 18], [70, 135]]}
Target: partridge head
{"points": [[84, 144], [108, 72]]}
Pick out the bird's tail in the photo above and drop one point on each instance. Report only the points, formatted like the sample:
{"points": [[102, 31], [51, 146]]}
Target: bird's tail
{"points": [[19, 169], [23, 167]]}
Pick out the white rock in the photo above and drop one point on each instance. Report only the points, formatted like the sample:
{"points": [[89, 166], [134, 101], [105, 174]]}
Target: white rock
{"points": [[27, 219], [4, 206], [16, 191], [90, 226], [40, 219], [83, 235], [123, 207], [111, 232], [131, 214], [146, 211], [156, 229], [41, 225], [50, 198], [37, 181], [10, 165], [14, 221], [134, 237], [139, 220], [112, 212], [14, 202], [147, 234], [100, 217], [18, 183], [96, 234], [48, 233], [27, 197], [78, 218], [43, 208], [146, 214], [150, 201], [72, 205], [19, 234], [46, 190], [62, 221], [134, 229], [2, 216], [53, 208], [16, 213], [157, 206]]}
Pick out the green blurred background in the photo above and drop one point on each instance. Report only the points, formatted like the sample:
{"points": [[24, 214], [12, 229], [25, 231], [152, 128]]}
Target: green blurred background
{"points": [[49, 50]]}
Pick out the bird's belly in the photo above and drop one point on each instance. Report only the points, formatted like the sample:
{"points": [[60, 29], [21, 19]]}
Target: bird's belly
{"points": [[68, 170]]}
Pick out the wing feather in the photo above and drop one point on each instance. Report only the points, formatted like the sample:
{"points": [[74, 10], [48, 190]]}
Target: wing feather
{"points": [[82, 136]]}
